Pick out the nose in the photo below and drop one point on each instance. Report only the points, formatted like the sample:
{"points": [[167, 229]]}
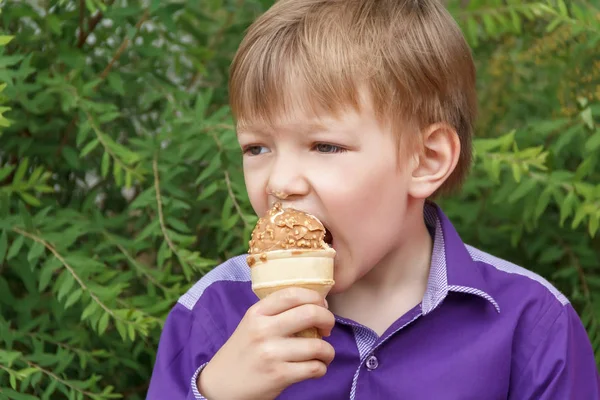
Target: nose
{"points": [[287, 179]]}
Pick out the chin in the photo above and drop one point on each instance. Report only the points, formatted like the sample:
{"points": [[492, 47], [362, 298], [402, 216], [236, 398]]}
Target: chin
{"points": [[342, 283]]}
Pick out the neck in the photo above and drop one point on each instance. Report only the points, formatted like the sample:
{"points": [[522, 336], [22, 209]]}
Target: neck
{"points": [[401, 276]]}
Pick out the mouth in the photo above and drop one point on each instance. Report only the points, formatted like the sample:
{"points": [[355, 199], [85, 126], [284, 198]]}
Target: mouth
{"points": [[328, 237]]}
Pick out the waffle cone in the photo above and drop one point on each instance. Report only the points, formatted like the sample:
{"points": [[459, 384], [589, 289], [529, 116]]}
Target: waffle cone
{"points": [[279, 269]]}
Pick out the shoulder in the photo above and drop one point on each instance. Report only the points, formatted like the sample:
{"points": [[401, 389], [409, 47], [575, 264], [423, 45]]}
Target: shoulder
{"points": [[510, 279], [531, 307], [221, 297], [551, 350], [222, 278]]}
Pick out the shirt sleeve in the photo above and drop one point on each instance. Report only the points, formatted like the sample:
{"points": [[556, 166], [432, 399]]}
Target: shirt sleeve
{"points": [[185, 347], [562, 365]]}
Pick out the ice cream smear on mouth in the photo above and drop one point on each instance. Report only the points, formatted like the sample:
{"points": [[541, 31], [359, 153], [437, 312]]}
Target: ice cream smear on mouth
{"points": [[288, 248]]}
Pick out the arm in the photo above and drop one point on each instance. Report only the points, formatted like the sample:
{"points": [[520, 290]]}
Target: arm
{"points": [[562, 365], [184, 348]]}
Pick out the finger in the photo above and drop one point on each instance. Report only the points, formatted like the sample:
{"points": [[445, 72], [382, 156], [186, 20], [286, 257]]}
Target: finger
{"points": [[302, 349], [302, 317], [285, 299], [301, 371]]}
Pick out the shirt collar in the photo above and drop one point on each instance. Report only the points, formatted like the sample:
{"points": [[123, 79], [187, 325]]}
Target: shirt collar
{"points": [[452, 268]]}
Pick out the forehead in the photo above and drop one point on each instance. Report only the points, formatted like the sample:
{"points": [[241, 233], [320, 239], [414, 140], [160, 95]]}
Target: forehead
{"points": [[301, 115], [347, 121]]}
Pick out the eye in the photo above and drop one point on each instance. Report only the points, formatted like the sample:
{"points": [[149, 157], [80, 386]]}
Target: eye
{"points": [[327, 148], [255, 150]]}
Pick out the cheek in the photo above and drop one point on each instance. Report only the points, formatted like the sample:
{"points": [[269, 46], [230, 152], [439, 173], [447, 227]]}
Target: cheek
{"points": [[255, 187], [369, 214]]}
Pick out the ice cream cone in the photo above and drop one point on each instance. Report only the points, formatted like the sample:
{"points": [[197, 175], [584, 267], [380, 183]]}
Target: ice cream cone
{"points": [[279, 269]]}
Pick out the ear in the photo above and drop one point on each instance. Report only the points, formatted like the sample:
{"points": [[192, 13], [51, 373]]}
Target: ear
{"points": [[436, 161]]}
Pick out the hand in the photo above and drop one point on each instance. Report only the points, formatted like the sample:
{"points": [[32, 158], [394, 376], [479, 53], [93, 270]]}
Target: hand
{"points": [[262, 358]]}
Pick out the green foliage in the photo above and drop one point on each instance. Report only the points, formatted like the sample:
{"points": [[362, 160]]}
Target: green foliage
{"points": [[121, 183], [534, 193]]}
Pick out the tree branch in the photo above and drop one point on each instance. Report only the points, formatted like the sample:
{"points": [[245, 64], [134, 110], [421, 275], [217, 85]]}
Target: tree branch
{"points": [[137, 265], [60, 380], [68, 267], [228, 178], [82, 34], [106, 70], [123, 46], [92, 25], [159, 206]]}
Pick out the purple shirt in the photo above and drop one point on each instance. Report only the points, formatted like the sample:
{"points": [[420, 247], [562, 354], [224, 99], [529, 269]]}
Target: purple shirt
{"points": [[485, 329]]}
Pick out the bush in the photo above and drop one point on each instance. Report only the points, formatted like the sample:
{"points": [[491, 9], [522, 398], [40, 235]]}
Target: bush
{"points": [[120, 180]]}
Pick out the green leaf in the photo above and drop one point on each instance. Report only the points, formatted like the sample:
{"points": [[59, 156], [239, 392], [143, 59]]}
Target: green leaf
{"points": [[3, 245], [516, 21], [29, 199], [562, 7], [208, 191], [66, 285], [84, 130], [543, 202], [473, 32], [522, 190], [89, 148], [109, 116], [103, 324], [15, 247], [551, 255], [25, 216], [155, 5], [202, 101], [89, 310], [122, 329], [5, 39], [593, 143], [516, 170], [553, 25], [586, 116], [214, 165], [164, 253], [5, 171], [593, 224], [21, 170], [35, 252], [71, 157], [580, 214], [566, 208], [128, 180], [35, 176], [18, 396], [116, 83], [490, 24], [47, 273], [118, 173], [73, 297], [569, 272], [177, 224], [131, 332], [105, 164]]}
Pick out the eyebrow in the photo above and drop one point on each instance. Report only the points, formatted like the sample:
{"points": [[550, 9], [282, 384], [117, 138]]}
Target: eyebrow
{"points": [[306, 128]]}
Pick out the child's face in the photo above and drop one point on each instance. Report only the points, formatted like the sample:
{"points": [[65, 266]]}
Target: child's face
{"points": [[346, 172]]}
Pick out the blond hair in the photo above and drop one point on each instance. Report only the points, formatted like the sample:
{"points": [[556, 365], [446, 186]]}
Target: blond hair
{"points": [[409, 54]]}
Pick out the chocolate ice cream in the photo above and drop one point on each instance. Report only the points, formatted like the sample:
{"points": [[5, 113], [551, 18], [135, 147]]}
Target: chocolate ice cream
{"points": [[287, 229]]}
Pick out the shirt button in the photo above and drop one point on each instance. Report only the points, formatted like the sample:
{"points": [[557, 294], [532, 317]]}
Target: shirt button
{"points": [[372, 363]]}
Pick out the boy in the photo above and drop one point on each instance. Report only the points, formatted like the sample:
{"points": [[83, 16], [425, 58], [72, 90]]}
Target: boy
{"points": [[358, 111]]}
